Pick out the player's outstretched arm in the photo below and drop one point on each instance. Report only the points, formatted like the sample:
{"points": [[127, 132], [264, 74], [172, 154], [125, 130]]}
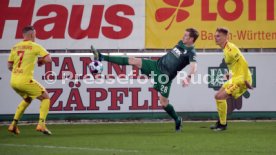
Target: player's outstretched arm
{"points": [[193, 69], [245, 68], [44, 60], [248, 85]]}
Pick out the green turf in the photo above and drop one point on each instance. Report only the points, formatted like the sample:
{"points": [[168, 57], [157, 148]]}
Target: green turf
{"points": [[246, 138]]}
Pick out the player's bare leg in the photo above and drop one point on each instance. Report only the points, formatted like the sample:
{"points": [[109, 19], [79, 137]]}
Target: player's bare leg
{"points": [[221, 94], [135, 62]]}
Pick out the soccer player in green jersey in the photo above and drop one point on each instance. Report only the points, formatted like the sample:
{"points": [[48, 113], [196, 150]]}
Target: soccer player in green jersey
{"points": [[167, 67]]}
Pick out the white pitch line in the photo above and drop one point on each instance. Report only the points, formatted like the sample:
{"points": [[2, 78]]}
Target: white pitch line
{"points": [[71, 148]]}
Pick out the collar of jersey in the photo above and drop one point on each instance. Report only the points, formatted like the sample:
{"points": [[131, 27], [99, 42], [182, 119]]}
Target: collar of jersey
{"points": [[182, 45]]}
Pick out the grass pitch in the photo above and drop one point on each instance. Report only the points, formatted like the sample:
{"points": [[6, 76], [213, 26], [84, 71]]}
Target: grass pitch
{"points": [[246, 138]]}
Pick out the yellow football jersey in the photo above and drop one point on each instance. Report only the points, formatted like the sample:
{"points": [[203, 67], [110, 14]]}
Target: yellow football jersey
{"points": [[236, 62], [24, 57]]}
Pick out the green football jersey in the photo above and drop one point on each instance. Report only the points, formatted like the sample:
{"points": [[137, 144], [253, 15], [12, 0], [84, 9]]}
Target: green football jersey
{"points": [[175, 60]]}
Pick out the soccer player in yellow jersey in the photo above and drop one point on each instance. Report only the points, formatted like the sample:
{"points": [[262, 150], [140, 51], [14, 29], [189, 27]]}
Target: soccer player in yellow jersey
{"points": [[239, 77], [21, 63]]}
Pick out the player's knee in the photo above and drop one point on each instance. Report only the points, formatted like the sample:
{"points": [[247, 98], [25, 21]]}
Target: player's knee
{"points": [[218, 96], [221, 96], [135, 62], [44, 95], [131, 60], [28, 99], [163, 101]]}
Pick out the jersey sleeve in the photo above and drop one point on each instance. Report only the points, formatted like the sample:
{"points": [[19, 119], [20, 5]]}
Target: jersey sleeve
{"points": [[245, 68], [234, 53], [11, 56], [42, 51], [192, 57]]}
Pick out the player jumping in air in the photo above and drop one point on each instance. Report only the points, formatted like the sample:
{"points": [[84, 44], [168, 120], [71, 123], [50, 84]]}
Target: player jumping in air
{"points": [[166, 67]]}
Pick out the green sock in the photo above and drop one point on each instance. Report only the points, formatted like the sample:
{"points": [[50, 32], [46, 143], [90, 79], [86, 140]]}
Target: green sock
{"points": [[170, 110], [116, 59]]}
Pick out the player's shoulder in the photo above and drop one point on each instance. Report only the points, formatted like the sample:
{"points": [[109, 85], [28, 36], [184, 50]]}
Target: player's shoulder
{"points": [[37, 47], [17, 45], [232, 45], [35, 44], [25, 43], [193, 51]]}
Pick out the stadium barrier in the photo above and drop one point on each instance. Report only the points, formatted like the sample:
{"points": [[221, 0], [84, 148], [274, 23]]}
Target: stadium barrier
{"points": [[122, 92]]}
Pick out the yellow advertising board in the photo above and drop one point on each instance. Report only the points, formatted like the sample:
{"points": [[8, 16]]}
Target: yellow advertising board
{"points": [[252, 23]]}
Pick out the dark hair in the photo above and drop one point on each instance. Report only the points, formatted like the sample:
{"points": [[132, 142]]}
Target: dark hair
{"points": [[222, 30], [27, 29], [193, 33]]}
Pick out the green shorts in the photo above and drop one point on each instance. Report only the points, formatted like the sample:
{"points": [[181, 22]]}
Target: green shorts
{"points": [[161, 81]]}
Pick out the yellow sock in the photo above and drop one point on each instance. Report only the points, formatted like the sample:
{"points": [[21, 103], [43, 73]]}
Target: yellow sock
{"points": [[19, 112], [44, 109], [222, 111]]}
